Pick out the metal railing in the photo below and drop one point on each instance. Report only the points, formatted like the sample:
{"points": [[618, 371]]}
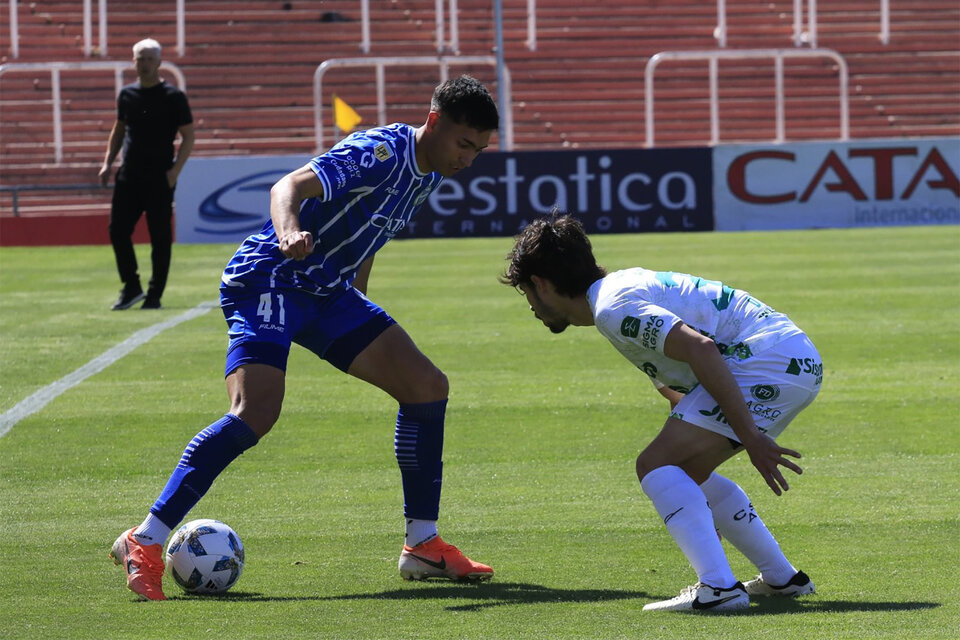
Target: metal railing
{"points": [[451, 45], [14, 30], [531, 25], [810, 36], [56, 67], [14, 191], [444, 64], [801, 37], [102, 20], [777, 55]]}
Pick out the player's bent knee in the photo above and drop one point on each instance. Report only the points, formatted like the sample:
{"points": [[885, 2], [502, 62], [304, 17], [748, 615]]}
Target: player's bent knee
{"points": [[437, 386], [259, 420], [645, 464], [431, 386], [256, 396], [642, 468]]}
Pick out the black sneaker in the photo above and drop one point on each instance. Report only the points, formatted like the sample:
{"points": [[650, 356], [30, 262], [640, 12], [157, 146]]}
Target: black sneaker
{"points": [[151, 303], [127, 300]]}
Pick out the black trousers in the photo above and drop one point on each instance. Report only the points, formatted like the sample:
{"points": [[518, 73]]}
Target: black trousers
{"points": [[131, 198]]}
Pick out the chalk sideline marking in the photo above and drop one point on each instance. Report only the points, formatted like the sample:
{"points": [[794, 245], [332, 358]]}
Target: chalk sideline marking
{"points": [[41, 398]]}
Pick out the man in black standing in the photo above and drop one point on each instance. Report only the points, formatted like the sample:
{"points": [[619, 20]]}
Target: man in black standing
{"points": [[150, 113]]}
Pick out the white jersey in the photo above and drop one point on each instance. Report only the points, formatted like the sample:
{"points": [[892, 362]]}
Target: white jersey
{"points": [[635, 309]]}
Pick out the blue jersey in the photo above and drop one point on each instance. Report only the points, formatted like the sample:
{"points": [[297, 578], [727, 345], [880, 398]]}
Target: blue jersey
{"points": [[371, 189]]}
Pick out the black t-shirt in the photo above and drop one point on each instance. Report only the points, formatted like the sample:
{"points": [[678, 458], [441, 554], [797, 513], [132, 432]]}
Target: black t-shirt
{"points": [[152, 117]]}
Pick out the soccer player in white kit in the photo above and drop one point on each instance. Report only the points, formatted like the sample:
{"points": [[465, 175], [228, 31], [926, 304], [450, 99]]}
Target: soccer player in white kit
{"points": [[735, 372]]}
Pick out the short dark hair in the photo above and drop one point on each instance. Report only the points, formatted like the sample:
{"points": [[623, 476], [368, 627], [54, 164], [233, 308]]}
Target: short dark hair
{"points": [[556, 248], [466, 101]]}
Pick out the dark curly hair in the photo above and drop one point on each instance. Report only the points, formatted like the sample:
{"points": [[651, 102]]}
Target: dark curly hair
{"points": [[466, 101], [556, 248]]}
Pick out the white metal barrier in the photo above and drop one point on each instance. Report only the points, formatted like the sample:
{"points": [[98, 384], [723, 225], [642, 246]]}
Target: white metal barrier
{"points": [[102, 24], [56, 67], [531, 25], [453, 45], [801, 37], [746, 54], [14, 31], [444, 63]]}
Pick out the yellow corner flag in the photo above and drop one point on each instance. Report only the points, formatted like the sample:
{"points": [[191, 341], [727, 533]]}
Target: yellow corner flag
{"points": [[344, 115]]}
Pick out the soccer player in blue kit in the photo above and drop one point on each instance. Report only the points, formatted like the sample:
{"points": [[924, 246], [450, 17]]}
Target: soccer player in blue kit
{"points": [[303, 279], [735, 372]]}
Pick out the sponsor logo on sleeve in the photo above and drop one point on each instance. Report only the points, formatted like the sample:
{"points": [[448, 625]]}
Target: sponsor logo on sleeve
{"points": [[630, 327], [382, 152]]}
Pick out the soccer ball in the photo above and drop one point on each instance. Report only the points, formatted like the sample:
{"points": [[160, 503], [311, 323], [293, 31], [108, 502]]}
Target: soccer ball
{"points": [[205, 557]]}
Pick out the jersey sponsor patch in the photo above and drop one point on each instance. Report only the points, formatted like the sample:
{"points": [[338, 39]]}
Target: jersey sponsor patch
{"points": [[765, 392], [382, 152], [651, 332]]}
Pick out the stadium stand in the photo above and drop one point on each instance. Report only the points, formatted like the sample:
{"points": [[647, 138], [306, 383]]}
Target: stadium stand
{"points": [[249, 76]]}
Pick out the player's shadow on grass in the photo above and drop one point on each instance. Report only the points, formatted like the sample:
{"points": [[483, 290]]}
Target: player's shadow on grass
{"points": [[774, 606], [495, 594], [479, 596]]}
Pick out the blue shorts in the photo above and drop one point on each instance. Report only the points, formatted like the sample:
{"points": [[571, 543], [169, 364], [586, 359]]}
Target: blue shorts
{"points": [[261, 325]]}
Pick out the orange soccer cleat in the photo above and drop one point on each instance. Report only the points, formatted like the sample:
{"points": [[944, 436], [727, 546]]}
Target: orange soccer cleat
{"points": [[143, 564], [437, 559]]}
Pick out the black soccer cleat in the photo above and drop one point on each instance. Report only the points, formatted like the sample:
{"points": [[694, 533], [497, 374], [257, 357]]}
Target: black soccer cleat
{"points": [[799, 585]]}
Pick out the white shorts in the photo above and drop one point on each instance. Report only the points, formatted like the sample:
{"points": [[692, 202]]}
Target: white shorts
{"points": [[776, 384]]}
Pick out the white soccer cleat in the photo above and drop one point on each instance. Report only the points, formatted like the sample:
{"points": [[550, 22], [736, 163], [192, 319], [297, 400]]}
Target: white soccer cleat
{"points": [[799, 585], [703, 597]]}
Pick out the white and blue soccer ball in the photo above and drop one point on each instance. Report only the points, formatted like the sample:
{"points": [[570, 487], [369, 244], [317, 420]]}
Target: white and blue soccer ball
{"points": [[205, 557]]}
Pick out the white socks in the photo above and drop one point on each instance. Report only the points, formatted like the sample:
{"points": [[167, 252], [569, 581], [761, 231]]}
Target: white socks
{"points": [[736, 520], [419, 531], [152, 531], [684, 510]]}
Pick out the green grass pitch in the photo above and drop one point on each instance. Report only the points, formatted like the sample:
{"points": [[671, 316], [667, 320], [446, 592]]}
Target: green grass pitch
{"points": [[542, 433]]}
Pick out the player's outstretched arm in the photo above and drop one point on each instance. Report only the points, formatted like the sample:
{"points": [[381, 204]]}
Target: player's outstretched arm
{"points": [[285, 198], [687, 345]]}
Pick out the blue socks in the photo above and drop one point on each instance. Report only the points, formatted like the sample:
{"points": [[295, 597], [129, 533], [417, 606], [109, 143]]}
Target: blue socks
{"points": [[205, 457], [418, 444]]}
